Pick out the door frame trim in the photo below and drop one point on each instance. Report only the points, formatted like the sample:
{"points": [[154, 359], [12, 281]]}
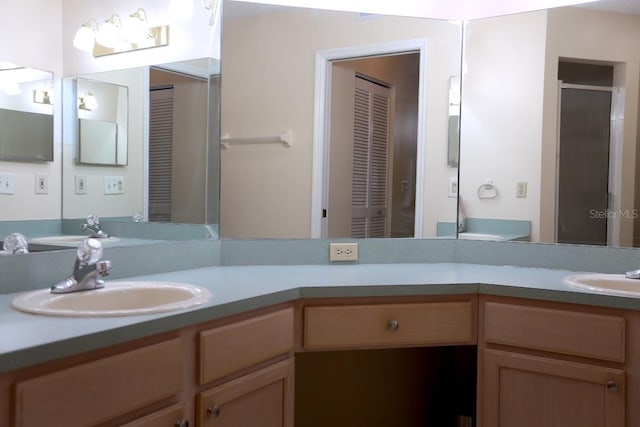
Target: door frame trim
{"points": [[321, 124]]}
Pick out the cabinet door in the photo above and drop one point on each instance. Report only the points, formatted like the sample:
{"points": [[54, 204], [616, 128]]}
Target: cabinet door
{"points": [[261, 399], [528, 391]]}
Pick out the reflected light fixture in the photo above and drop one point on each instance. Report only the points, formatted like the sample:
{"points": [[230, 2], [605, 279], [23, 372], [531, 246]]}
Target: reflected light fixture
{"points": [[86, 36], [88, 102], [41, 96]]}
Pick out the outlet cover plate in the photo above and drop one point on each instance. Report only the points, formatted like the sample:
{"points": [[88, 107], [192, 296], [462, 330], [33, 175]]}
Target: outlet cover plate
{"points": [[343, 252]]}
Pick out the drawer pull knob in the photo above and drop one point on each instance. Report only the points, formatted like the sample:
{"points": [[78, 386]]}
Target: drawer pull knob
{"points": [[612, 386], [394, 325], [213, 410], [182, 423]]}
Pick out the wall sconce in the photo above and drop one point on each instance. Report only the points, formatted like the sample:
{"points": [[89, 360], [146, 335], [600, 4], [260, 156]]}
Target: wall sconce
{"points": [[43, 97], [118, 36], [88, 102]]}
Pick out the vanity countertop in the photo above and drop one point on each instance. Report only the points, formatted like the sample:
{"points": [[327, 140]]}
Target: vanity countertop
{"points": [[27, 339]]}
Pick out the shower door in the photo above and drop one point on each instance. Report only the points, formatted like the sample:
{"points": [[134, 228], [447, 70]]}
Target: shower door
{"points": [[583, 165]]}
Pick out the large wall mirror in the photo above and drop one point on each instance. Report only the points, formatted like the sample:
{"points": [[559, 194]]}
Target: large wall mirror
{"points": [[549, 126], [365, 156], [172, 145], [26, 114]]}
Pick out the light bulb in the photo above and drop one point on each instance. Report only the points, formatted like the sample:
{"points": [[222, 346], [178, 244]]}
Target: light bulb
{"points": [[108, 34], [135, 29], [85, 36]]}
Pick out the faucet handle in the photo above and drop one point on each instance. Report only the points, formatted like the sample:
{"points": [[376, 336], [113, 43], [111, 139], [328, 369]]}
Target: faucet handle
{"points": [[89, 251], [15, 243], [93, 220]]}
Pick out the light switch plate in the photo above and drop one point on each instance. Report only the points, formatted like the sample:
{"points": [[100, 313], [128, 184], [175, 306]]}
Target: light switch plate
{"points": [[42, 183], [81, 184]]}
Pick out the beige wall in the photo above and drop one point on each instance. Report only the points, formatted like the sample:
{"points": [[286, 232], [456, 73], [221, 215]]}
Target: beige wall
{"points": [[501, 120], [268, 87]]}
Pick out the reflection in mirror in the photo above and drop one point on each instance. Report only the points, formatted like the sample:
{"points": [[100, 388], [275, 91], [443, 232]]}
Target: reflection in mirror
{"points": [[102, 122], [26, 114], [549, 126], [370, 152], [183, 185]]}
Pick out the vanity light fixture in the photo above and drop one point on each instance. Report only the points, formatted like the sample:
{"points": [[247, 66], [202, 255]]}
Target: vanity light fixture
{"points": [[88, 102], [85, 37], [108, 34], [120, 36]]}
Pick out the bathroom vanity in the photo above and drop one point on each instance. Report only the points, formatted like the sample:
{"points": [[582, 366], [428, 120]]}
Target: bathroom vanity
{"points": [[422, 343]]}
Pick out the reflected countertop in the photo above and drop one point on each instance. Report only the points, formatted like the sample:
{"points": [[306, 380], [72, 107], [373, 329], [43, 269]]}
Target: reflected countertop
{"points": [[27, 339]]}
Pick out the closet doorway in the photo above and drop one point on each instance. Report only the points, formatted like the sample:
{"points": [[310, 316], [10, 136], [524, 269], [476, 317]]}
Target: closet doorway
{"points": [[371, 145]]}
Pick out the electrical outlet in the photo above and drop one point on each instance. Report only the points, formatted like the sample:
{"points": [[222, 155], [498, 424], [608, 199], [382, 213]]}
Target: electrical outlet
{"points": [[343, 251], [521, 189], [42, 183], [7, 183], [81, 184]]}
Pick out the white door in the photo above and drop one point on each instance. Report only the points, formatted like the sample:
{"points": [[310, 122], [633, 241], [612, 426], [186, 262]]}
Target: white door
{"points": [[370, 177]]}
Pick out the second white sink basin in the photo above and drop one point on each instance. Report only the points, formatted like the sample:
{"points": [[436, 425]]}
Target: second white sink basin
{"points": [[67, 240], [616, 284], [117, 298], [480, 236]]}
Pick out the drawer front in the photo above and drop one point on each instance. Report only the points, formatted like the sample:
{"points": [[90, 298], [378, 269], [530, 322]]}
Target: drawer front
{"points": [[388, 325], [168, 417], [568, 332], [237, 346], [98, 391], [262, 398]]}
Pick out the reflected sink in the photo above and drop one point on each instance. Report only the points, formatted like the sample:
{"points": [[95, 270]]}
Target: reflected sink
{"points": [[117, 298], [616, 284], [480, 236], [67, 240]]}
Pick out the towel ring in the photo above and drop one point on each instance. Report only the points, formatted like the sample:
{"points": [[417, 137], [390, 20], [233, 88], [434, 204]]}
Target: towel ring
{"points": [[487, 191]]}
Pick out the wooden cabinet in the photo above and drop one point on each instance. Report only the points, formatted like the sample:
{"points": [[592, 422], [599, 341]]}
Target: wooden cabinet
{"points": [[98, 391], [550, 366], [242, 365], [261, 399]]}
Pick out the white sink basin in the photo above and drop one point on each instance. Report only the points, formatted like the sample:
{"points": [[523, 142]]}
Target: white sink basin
{"points": [[480, 236], [67, 240], [616, 284], [117, 298]]}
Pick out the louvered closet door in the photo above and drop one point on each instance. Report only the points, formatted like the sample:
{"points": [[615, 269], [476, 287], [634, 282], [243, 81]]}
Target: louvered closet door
{"points": [[160, 153], [370, 160]]}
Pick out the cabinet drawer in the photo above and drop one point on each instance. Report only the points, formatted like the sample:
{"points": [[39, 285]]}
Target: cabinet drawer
{"points": [[388, 325], [262, 398], [233, 347], [568, 332], [168, 417], [98, 391]]}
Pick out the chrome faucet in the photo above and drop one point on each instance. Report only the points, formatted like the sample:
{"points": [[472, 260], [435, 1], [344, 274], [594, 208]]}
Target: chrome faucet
{"points": [[87, 270], [93, 227], [634, 274]]}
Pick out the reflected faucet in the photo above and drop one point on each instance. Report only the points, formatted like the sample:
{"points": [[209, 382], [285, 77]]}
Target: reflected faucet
{"points": [[93, 227], [15, 243], [87, 270]]}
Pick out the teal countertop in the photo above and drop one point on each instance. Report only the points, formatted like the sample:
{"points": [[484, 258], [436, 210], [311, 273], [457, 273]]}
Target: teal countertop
{"points": [[27, 339]]}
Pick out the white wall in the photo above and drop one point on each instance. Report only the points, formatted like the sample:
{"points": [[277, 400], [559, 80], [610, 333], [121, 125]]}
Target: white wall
{"points": [[501, 120], [268, 83]]}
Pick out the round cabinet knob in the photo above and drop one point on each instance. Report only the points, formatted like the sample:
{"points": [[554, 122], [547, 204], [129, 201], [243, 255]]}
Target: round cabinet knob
{"points": [[213, 410], [394, 325], [612, 386], [182, 423]]}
